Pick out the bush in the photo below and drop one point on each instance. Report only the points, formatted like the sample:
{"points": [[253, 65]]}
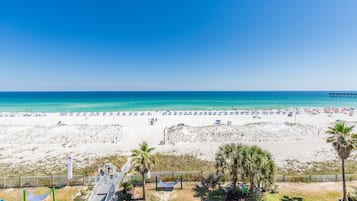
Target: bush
{"points": [[297, 179], [212, 181]]}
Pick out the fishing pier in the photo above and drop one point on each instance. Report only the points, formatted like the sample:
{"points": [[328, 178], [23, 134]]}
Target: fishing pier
{"points": [[343, 94]]}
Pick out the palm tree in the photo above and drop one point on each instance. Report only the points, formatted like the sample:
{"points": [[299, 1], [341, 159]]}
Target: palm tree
{"points": [[344, 142], [267, 172], [258, 167], [228, 161], [143, 161]]}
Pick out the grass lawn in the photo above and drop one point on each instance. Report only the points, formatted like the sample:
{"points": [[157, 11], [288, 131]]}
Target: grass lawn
{"points": [[327, 191], [16, 194]]}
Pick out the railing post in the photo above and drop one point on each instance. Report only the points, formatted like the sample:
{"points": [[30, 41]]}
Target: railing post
{"points": [[336, 177], [54, 197], [36, 181], [181, 181], [53, 180], [24, 195], [4, 182], [283, 178], [84, 179], [20, 180], [310, 177], [156, 183]]}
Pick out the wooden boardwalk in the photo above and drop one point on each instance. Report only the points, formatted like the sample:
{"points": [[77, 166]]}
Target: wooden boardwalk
{"points": [[105, 188]]}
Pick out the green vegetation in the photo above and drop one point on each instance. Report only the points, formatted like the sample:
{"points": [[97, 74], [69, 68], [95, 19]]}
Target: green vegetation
{"points": [[167, 162], [63, 194], [251, 163], [116, 160], [143, 161], [317, 168], [329, 191], [343, 142], [127, 186], [89, 169]]}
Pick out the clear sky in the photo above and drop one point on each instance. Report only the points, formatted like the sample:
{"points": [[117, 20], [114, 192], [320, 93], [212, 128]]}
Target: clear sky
{"points": [[178, 45]]}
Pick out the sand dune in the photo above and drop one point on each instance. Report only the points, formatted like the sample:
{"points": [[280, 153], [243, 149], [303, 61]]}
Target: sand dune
{"points": [[37, 143]]}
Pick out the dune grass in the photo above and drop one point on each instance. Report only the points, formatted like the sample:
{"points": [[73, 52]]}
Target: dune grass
{"points": [[117, 160], [294, 167], [166, 162], [182, 163], [89, 169]]}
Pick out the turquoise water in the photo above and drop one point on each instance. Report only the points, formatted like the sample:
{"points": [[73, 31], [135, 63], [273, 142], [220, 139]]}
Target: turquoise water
{"points": [[134, 101]]}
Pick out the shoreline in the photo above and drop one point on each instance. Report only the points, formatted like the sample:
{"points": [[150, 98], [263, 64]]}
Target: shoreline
{"points": [[316, 110]]}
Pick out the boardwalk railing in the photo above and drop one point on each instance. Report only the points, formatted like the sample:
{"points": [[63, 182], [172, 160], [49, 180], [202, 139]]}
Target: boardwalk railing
{"points": [[111, 193], [105, 188]]}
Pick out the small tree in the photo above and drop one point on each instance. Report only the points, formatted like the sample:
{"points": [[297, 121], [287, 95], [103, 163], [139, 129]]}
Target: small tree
{"points": [[143, 161], [258, 167], [228, 161], [252, 163], [126, 187], [212, 181], [344, 142]]}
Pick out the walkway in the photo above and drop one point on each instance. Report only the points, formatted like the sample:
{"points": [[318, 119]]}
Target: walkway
{"points": [[104, 190]]}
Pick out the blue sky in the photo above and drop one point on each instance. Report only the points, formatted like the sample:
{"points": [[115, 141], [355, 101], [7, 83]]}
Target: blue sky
{"points": [[178, 45]]}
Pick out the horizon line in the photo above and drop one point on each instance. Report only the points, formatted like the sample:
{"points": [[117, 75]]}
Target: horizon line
{"points": [[69, 91]]}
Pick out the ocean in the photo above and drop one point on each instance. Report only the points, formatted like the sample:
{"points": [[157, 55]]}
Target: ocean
{"points": [[144, 101]]}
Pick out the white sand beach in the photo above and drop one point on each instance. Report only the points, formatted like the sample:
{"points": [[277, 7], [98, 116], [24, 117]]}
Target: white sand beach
{"points": [[44, 141]]}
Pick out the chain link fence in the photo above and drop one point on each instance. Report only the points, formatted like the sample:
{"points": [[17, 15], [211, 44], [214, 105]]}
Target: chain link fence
{"points": [[198, 176], [83, 180], [46, 181]]}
